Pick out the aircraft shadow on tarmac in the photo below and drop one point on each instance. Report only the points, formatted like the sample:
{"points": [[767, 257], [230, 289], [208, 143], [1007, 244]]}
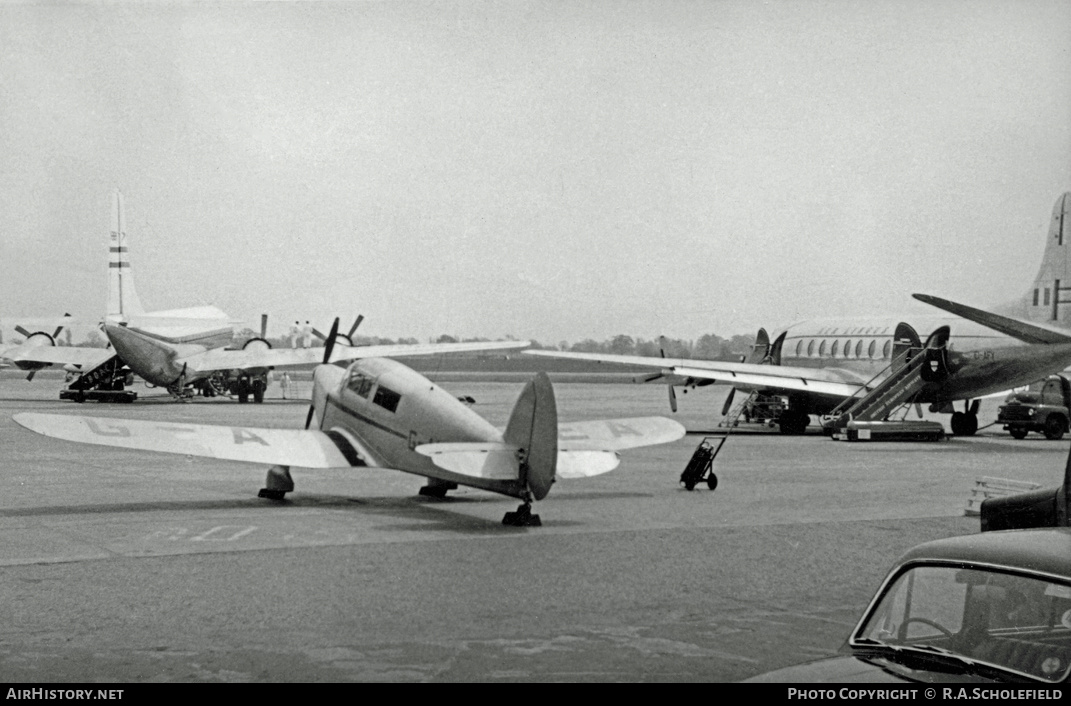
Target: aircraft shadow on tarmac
{"points": [[406, 507]]}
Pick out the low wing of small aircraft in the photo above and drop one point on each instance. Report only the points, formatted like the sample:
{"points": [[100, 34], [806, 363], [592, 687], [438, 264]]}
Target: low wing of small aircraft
{"points": [[379, 413]]}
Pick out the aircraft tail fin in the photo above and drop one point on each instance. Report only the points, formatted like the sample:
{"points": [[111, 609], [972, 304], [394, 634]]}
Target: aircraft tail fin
{"points": [[123, 299], [533, 427], [1048, 300]]}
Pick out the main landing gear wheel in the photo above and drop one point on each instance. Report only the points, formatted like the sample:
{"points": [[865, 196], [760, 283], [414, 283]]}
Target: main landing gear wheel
{"points": [[437, 490], [271, 494], [277, 484], [523, 517], [964, 423]]}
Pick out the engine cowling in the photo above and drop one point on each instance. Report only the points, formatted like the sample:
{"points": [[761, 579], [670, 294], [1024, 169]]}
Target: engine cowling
{"points": [[39, 338], [254, 344]]}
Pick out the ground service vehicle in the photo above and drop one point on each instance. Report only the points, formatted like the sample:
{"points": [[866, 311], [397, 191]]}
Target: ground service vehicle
{"points": [[1043, 408], [991, 607]]}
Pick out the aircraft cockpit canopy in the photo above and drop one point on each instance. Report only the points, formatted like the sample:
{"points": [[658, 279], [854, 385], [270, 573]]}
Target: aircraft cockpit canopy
{"points": [[363, 384], [360, 383]]}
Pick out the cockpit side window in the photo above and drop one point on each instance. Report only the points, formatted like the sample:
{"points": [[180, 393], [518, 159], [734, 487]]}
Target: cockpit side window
{"points": [[360, 383], [387, 399]]}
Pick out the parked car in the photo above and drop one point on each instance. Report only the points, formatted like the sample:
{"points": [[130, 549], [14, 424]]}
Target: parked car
{"points": [[990, 607]]}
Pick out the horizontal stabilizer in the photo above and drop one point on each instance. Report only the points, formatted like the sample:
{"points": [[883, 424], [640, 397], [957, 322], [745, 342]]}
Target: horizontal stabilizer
{"points": [[490, 460], [286, 447], [1027, 333], [616, 434], [498, 461]]}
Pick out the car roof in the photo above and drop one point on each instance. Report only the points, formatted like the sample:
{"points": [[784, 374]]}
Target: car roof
{"points": [[1045, 550]]}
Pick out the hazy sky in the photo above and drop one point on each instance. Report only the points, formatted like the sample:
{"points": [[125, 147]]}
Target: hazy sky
{"points": [[547, 170]]}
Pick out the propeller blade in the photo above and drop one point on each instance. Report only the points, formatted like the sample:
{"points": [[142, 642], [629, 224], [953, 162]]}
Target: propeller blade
{"points": [[30, 376], [316, 332], [728, 401], [329, 345], [356, 323], [23, 331], [59, 328], [672, 398], [264, 326]]}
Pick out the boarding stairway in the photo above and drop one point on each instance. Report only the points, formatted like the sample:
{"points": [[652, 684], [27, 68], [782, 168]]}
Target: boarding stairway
{"points": [[912, 368], [732, 418], [104, 383]]}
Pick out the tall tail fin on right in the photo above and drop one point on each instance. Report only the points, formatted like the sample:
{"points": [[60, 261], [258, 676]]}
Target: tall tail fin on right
{"points": [[123, 299], [1048, 300]]}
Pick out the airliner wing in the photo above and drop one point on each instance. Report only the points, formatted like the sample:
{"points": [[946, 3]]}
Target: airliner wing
{"points": [[220, 359], [287, 447], [1027, 333], [400, 350], [57, 355], [744, 375], [248, 359]]}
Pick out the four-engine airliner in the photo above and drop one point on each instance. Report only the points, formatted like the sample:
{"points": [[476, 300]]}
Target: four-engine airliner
{"points": [[824, 365]]}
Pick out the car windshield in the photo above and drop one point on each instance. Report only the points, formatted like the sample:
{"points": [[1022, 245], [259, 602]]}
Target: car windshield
{"points": [[1009, 620]]}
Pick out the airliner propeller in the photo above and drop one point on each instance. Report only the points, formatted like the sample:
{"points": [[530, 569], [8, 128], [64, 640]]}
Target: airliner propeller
{"points": [[30, 335], [669, 385], [347, 336], [329, 347]]}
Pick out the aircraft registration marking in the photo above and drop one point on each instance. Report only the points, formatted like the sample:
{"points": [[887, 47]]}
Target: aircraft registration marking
{"points": [[241, 435], [566, 432]]}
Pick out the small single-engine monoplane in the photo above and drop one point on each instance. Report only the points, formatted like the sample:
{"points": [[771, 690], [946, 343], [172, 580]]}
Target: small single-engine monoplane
{"points": [[379, 413]]}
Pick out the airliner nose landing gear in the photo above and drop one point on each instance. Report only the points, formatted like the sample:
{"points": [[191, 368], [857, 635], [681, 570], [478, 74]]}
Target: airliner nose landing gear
{"points": [[966, 423]]}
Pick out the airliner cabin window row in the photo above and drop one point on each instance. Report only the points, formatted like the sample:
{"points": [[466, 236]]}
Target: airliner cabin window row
{"points": [[799, 347], [847, 348], [833, 352], [885, 350], [870, 350], [810, 348], [822, 349], [387, 399]]}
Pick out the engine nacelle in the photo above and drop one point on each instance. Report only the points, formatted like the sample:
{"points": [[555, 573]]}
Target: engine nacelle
{"points": [[257, 344], [39, 338]]}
